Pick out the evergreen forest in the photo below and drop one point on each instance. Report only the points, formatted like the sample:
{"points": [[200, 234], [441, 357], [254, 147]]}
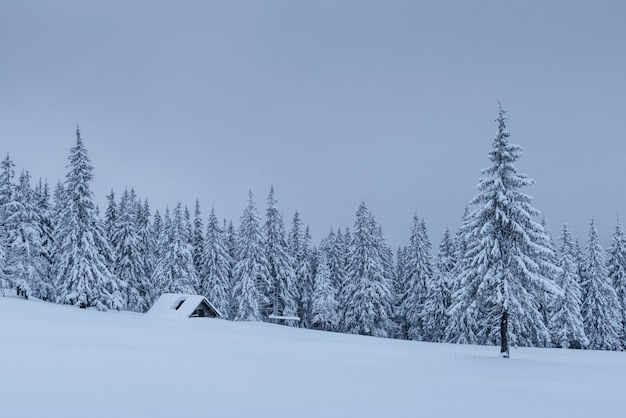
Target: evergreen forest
{"points": [[500, 279]]}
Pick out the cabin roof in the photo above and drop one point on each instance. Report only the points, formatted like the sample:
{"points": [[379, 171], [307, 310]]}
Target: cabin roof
{"points": [[176, 305]]}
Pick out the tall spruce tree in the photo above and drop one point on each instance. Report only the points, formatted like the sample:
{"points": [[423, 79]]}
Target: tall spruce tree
{"points": [[129, 267], [566, 322], [215, 269], [600, 309], [305, 273], [617, 274], [438, 294], [462, 324], [400, 292], [299, 248], [230, 242], [197, 240], [83, 274], [502, 287], [281, 292], [175, 271], [6, 197], [110, 218], [546, 299], [367, 294], [418, 273], [147, 248], [25, 262], [250, 273], [324, 312], [336, 253], [42, 192]]}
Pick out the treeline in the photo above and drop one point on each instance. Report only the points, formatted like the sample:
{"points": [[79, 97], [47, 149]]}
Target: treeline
{"points": [[498, 280]]}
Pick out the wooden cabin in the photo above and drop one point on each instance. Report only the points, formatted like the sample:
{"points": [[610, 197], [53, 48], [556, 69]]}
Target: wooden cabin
{"points": [[176, 305]]}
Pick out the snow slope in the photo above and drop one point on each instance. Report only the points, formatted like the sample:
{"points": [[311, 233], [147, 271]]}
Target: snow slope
{"points": [[60, 361]]}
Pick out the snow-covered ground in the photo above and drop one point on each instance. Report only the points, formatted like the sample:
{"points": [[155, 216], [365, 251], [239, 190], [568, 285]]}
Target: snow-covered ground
{"points": [[60, 361]]}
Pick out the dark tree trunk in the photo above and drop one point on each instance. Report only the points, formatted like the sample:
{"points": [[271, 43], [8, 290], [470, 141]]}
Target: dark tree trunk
{"points": [[504, 341]]}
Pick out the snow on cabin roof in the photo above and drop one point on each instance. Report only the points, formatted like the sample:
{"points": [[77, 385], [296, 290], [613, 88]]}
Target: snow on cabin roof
{"points": [[175, 305]]}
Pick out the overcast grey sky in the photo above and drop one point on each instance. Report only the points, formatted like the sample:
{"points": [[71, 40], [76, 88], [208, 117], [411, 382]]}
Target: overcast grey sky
{"points": [[332, 102]]}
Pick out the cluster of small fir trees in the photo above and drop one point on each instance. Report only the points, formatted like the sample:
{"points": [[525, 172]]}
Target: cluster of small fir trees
{"points": [[498, 280]]}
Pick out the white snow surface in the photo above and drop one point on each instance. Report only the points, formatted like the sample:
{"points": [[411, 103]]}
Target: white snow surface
{"points": [[61, 361]]}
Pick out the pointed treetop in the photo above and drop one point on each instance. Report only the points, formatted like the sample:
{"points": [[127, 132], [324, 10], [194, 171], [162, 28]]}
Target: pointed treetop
{"points": [[271, 200], [501, 112]]}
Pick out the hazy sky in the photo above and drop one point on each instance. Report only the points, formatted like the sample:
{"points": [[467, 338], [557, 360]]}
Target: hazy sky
{"points": [[332, 102]]}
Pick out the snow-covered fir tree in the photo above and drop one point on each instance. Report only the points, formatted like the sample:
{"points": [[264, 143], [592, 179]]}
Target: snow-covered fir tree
{"points": [[6, 197], [438, 294], [367, 293], [299, 244], [418, 273], [502, 285], [250, 273], [617, 274], [215, 269], [47, 292], [146, 248], [197, 237], [294, 240], [82, 272], [281, 291], [129, 267], [324, 309], [399, 292], [566, 322], [336, 254], [174, 271], [546, 299], [110, 218], [230, 242], [25, 264], [305, 272], [462, 324], [390, 278], [600, 310]]}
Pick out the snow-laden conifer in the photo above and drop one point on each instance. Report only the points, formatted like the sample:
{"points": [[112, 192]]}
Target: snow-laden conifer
{"points": [[438, 294], [546, 299], [110, 218], [129, 267], [282, 291], [566, 322], [147, 248], [299, 244], [197, 237], [324, 312], [400, 292], [336, 251], [502, 286], [6, 196], [250, 273], [418, 272], [26, 266], [366, 295], [83, 274], [215, 269], [174, 271], [231, 239], [46, 290], [600, 310], [617, 274]]}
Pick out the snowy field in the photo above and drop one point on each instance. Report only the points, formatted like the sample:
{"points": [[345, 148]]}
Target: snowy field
{"points": [[60, 361]]}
